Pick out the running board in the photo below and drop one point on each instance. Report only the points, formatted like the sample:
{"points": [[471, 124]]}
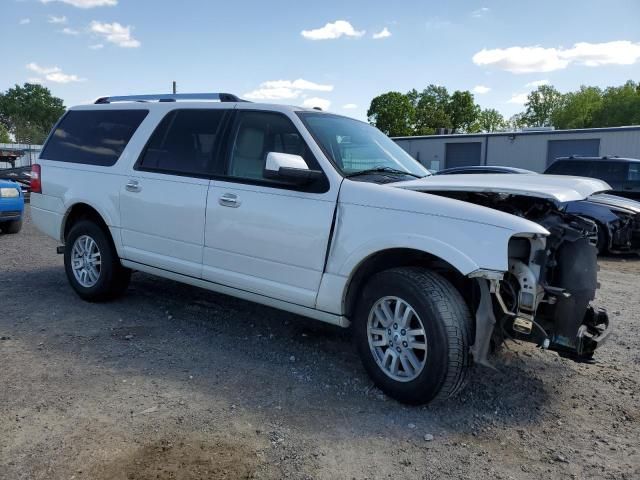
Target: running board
{"points": [[333, 319]]}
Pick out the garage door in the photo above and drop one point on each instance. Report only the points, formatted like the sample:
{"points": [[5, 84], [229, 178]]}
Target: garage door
{"points": [[589, 147], [462, 154]]}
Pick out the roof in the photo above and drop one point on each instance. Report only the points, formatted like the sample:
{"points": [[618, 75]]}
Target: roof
{"points": [[630, 128], [599, 159]]}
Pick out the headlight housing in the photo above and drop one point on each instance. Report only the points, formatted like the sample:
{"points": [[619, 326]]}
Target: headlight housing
{"points": [[9, 192]]}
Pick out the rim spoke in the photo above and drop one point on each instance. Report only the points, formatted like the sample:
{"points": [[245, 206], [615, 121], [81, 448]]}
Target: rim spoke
{"points": [[387, 313], [417, 345], [416, 332], [406, 318], [395, 361], [415, 363], [406, 365]]}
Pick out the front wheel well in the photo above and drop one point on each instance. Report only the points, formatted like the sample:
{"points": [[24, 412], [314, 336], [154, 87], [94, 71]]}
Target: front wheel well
{"points": [[82, 211], [403, 257]]}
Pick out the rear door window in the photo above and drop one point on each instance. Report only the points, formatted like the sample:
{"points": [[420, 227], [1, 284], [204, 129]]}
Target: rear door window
{"points": [[184, 143], [92, 137], [611, 172]]}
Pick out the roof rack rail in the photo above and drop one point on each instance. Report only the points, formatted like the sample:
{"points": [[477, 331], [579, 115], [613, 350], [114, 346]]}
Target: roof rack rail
{"points": [[169, 97]]}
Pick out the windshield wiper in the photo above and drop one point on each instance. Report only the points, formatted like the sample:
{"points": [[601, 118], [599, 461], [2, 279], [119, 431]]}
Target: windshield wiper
{"points": [[394, 171]]}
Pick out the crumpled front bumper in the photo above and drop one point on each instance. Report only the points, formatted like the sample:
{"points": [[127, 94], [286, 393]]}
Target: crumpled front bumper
{"points": [[591, 334]]}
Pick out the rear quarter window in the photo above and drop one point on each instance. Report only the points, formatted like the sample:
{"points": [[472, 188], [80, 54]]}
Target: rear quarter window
{"points": [[92, 137]]}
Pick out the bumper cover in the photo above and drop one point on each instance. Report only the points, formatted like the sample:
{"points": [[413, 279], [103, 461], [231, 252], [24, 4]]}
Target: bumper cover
{"points": [[591, 334]]}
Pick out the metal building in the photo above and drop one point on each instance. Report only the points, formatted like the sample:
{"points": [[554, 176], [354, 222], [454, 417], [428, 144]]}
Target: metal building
{"points": [[533, 150]]}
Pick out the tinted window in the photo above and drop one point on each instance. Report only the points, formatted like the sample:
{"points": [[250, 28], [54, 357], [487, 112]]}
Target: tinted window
{"points": [[94, 137], [257, 134], [611, 171], [578, 168], [184, 142], [634, 172]]}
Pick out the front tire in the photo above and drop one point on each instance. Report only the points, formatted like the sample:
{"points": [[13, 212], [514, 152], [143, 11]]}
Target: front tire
{"points": [[92, 264], [13, 226], [411, 330]]}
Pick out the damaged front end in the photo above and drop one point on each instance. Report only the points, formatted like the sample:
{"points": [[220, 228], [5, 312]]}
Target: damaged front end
{"points": [[546, 295]]}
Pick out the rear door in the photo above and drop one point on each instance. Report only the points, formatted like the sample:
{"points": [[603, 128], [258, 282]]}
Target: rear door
{"points": [[263, 236], [613, 172], [163, 201]]}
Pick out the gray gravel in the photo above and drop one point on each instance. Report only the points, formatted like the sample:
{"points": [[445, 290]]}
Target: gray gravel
{"points": [[174, 382]]}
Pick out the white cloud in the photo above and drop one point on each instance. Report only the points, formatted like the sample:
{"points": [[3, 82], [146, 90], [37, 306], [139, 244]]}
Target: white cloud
{"points": [[349, 106], [479, 13], [622, 52], [25, 21], [299, 84], [540, 59], [115, 33], [537, 83], [481, 89], [521, 59], [85, 3], [53, 74], [384, 33], [518, 98], [70, 31], [35, 80], [285, 89], [312, 102], [332, 31], [96, 46], [54, 19]]}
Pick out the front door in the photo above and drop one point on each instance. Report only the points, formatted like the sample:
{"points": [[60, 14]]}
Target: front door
{"points": [[263, 236], [163, 202]]}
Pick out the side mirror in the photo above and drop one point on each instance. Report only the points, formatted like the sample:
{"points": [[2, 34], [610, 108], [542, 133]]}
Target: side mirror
{"points": [[289, 169]]}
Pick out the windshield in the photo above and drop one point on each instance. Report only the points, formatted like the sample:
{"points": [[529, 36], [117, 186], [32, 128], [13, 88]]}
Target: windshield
{"points": [[356, 146]]}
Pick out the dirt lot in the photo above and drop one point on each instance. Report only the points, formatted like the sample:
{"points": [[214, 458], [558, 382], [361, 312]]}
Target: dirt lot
{"points": [[174, 382]]}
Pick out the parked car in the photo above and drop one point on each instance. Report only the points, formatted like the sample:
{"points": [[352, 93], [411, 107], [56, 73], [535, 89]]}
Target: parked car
{"points": [[11, 206], [323, 216], [618, 218], [623, 174]]}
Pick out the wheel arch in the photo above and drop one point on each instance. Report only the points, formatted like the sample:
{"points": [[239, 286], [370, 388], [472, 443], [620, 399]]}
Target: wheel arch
{"points": [[400, 257], [82, 211]]}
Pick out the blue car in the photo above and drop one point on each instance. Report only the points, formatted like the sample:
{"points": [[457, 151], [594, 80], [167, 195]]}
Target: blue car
{"points": [[11, 206]]}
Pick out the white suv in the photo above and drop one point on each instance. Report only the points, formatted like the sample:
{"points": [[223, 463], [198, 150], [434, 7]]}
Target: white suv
{"points": [[326, 217]]}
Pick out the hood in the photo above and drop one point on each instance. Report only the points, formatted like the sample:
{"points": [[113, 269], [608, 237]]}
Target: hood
{"points": [[558, 188], [8, 183], [613, 201]]}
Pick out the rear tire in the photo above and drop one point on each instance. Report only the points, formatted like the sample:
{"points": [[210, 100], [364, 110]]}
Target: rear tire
{"points": [[442, 312], [92, 264]]}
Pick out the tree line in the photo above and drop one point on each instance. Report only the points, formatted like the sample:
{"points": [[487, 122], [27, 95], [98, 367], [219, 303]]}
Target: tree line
{"points": [[28, 113], [423, 113]]}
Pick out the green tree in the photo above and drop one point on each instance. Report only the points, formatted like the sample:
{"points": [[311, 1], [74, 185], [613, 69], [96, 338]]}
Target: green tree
{"points": [[4, 134], [462, 111], [541, 105], [620, 106], [432, 110], [488, 120], [29, 112], [392, 113], [577, 109], [517, 121]]}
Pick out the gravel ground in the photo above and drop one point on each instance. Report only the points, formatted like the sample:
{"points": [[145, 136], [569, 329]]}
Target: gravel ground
{"points": [[174, 382]]}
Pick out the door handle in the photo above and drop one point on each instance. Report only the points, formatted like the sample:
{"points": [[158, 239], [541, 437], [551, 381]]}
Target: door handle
{"points": [[133, 186], [229, 200]]}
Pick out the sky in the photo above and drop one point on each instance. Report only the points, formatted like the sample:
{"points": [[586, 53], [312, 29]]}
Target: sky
{"points": [[337, 55]]}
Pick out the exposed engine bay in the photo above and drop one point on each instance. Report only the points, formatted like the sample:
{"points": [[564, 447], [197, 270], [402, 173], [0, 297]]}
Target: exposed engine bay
{"points": [[546, 295]]}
